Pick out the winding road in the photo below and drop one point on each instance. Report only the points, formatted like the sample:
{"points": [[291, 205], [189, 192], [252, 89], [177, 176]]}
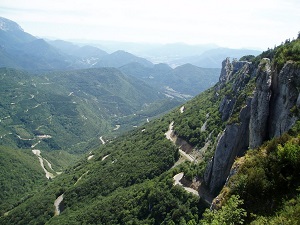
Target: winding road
{"points": [[101, 139], [169, 135], [41, 159], [57, 204], [177, 179]]}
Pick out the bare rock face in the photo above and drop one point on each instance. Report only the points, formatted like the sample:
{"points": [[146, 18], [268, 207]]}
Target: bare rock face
{"points": [[226, 107], [273, 102], [240, 72], [260, 105], [226, 71], [229, 69], [271, 111], [285, 98], [232, 143]]}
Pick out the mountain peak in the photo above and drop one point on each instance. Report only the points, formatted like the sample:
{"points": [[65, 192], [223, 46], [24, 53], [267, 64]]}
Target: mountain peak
{"points": [[121, 52], [8, 25]]}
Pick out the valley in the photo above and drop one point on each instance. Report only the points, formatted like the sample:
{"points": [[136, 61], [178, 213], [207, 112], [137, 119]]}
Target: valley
{"points": [[90, 137]]}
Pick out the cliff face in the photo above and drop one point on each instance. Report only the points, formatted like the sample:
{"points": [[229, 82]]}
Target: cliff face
{"points": [[285, 88], [260, 105], [267, 112]]}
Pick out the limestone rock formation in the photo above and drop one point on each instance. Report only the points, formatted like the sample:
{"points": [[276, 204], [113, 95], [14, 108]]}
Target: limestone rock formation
{"points": [[285, 97], [269, 112], [260, 105], [232, 143]]}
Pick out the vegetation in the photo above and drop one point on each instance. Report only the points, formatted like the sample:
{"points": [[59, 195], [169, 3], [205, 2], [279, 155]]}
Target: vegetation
{"points": [[73, 108], [289, 50], [187, 80], [155, 201], [202, 111], [268, 178], [230, 213], [139, 156], [20, 174]]}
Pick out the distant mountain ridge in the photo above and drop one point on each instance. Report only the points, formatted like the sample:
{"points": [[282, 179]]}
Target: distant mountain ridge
{"points": [[8, 25], [184, 81], [24, 49], [213, 58], [27, 51], [85, 51], [121, 58]]}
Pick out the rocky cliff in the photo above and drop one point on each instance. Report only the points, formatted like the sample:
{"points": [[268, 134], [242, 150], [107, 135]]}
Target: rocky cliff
{"points": [[261, 103]]}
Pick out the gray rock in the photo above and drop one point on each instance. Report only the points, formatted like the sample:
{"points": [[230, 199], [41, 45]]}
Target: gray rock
{"points": [[260, 105], [232, 143], [226, 107], [285, 96], [226, 71], [240, 72], [269, 113]]}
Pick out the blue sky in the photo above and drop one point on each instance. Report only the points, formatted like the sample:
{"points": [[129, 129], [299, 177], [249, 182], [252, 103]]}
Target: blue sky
{"points": [[258, 23]]}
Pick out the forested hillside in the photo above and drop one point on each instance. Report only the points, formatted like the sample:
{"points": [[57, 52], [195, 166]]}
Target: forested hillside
{"points": [[68, 110], [183, 81], [20, 172], [131, 180]]}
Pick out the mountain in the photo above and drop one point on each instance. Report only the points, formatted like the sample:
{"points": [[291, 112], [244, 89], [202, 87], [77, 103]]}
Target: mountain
{"points": [[171, 52], [184, 81], [236, 145], [72, 108], [121, 58], [213, 58], [6, 59], [176, 54], [89, 55], [12, 33], [24, 51], [27, 51], [195, 78]]}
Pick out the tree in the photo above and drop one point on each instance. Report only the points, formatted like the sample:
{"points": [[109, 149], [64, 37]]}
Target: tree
{"points": [[230, 213]]}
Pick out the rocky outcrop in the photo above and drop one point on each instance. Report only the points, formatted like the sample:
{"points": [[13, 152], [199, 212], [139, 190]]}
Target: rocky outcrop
{"points": [[229, 69], [285, 99], [260, 105], [269, 112], [226, 107], [232, 143], [236, 74]]}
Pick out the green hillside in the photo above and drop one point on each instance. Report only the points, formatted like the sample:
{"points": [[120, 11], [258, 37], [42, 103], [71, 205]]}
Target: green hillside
{"points": [[71, 110], [20, 173], [184, 81]]}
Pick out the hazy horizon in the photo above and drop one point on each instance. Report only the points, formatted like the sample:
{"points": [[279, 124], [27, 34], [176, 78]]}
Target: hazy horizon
{"points": [[255, 24]]}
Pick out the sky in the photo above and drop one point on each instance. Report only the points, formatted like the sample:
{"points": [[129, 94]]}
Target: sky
{"points": [[258, 24]]}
